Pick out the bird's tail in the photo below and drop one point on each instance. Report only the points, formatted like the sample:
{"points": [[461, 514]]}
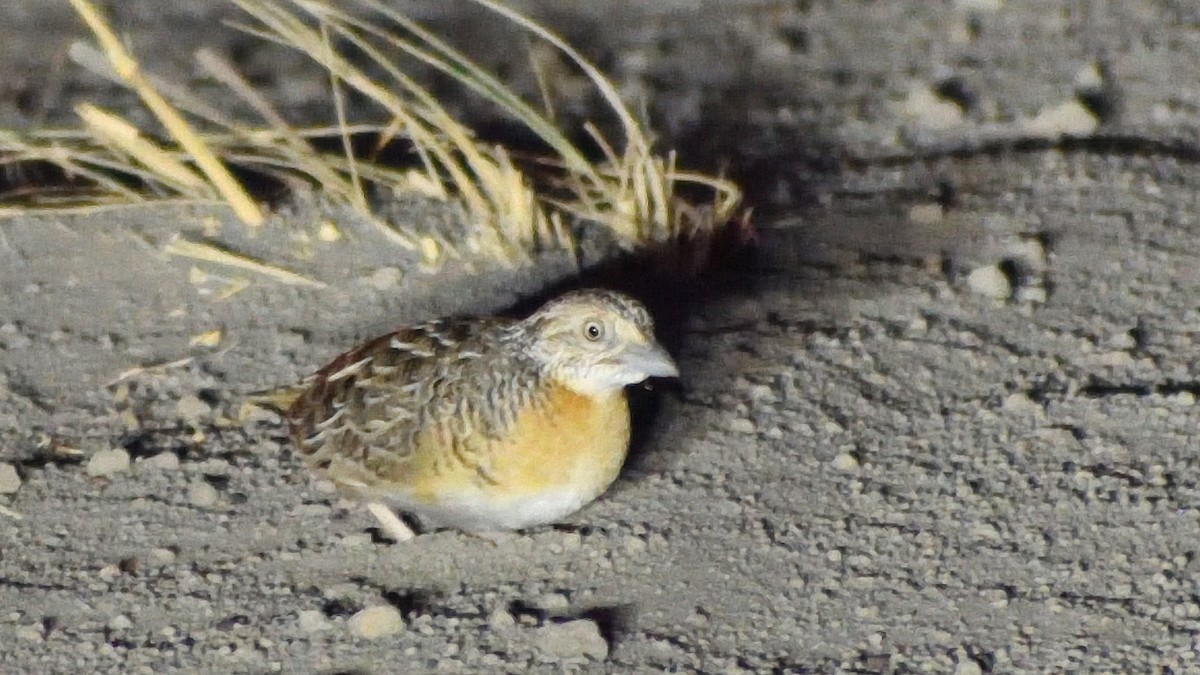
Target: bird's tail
{"points": [[278, 399]]}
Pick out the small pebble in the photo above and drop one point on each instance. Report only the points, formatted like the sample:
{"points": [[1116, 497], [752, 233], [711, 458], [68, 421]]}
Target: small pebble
{"points": [[191, 409], [385, 278], [1020, 403], [930, 111], [1068, 118], [202, 495], [553, 603], [1089, 78], [161, 556], [990, 281], [108, 462], [120, 622], [163, 461], [10, 482], [1121, 359], [356, 540], [571, 640], [501, 620], [741, 425], [311, 621], [845, 462], [374, 622], [762, 394], [926, 214], [1032, 294]]}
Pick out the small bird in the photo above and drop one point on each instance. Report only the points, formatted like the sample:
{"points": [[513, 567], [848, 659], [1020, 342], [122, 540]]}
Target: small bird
{"points": [[482, 424]]}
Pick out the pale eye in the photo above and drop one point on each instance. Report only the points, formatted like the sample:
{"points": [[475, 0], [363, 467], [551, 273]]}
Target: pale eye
{"points": [[593, 331]]}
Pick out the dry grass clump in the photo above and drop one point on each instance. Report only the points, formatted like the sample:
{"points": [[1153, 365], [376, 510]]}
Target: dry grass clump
{"points": [[631, 190]]}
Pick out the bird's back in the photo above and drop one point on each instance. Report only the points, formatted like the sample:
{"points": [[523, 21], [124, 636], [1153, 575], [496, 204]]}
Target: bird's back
{"points": [[413, 400]]}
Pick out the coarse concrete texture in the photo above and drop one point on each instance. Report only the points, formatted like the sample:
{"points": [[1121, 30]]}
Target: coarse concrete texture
{"points": [[943, 419]]}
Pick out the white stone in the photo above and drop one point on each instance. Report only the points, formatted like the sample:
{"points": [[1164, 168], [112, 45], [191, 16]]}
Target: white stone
{"points": [[108, 462], [161, 556], [202, 495], [501, 620], [385, 278], [741, 425], [571, 640], [553, 603], [968, 667], [844, 462], [925, 214], [374, 622], [312, 621], [192, 409], [1069, 118], [989, 281], [930, 111], [163, 461], [10, 482], [1020, 403], [1089, 78]]}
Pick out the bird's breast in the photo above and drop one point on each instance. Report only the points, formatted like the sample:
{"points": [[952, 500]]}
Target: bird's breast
{"points": [[570, 440], [560, 453]]}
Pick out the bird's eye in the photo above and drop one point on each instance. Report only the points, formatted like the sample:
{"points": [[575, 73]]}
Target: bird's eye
{"points": [[593, 331]]}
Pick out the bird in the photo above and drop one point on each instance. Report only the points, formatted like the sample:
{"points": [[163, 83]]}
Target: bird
{"points": [[482, 424]]}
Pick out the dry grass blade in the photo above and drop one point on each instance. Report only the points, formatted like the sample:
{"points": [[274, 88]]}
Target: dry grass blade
{"points": [[493, 192], [209, 253], [75, 163], [87, 56], [339, 101], [286, 28], [440, 55], [127, 68], [149, 369], [123, 136], [284, 137], [634, 135]]}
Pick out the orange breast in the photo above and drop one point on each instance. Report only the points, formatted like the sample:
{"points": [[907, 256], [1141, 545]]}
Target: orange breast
{"points": [[573, 441]]}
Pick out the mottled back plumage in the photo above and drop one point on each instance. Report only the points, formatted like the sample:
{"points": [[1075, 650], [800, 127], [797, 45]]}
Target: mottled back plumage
{"points": [[463, 379]]}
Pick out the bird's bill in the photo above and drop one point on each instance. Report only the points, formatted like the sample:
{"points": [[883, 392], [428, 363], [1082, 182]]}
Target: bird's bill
{"points": [[651, 359]]}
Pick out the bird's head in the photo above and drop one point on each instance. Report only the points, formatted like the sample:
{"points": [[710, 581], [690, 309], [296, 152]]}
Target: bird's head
{"points": [[597, 342]]}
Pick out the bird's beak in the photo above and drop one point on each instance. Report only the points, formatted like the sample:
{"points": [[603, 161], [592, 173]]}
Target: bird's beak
{"points": [[650, 358]]}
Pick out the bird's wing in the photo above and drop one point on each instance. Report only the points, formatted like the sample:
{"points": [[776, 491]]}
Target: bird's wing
{"points": [[440, 387]]}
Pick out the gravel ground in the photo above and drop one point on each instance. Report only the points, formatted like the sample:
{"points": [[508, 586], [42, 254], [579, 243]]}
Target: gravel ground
{"points": [[942, 419]]}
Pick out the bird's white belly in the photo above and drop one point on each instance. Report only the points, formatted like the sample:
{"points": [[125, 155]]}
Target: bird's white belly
{"points": [[479, 512]]}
